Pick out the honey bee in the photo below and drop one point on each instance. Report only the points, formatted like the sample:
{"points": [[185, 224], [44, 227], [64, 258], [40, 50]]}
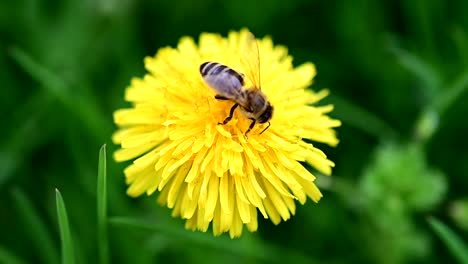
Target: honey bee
{"points": [[230, 85]]}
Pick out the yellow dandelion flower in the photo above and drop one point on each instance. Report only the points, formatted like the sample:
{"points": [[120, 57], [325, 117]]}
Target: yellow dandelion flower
{"points": [[208, 172]]}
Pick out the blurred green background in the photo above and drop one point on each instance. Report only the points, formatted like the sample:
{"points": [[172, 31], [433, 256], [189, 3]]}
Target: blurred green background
{"points": [[397, 70]]}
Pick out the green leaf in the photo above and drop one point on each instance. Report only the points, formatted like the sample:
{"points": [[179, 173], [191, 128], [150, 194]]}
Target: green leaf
{"points": [[451, 240], [243, 247], [103, 245], [65, 235], [10, 258], [35, 228]]}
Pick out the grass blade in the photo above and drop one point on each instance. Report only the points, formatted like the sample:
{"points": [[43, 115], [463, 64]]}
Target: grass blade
{"points": [[26, 121], [65, 235], [451, 240], [88, 112], [245, 246], [43, 244], [452, 93], [10, 258], [103, 245], [460, 38], [418, 66], [360, 118]]}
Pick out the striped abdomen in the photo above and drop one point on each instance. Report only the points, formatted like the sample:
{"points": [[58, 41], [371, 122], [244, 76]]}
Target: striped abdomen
{"points": [[228, 83], [214, 68]]}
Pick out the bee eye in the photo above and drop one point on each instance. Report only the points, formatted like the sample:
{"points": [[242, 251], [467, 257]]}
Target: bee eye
{"points": [[266, 116]]}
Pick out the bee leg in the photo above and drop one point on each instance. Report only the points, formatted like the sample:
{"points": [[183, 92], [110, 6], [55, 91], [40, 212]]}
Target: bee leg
{"points": [[251, 126], [265, 128], [231, 113], [220, 97]]}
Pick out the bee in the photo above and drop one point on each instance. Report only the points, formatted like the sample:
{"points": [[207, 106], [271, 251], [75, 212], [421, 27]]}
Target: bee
{"points": [[229, 85]]}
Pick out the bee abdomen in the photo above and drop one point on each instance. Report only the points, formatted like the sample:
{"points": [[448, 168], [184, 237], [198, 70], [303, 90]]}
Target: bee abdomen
{"points": [[206, 67], [214, 68]]}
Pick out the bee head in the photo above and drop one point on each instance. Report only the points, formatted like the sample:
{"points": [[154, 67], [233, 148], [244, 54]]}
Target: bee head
{"points": [[266, 115]]}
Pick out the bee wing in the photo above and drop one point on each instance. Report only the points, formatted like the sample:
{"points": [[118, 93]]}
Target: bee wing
{"points": [[228, 86], [250, 59]]}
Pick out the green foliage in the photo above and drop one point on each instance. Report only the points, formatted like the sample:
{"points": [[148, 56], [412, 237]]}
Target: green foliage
{"points": [[9, 257], [41, 237], [65, 234], [400, 177], [103, 243], [456, 246], [397, 184], [397, 71], [459, 213], [247, 247]]}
